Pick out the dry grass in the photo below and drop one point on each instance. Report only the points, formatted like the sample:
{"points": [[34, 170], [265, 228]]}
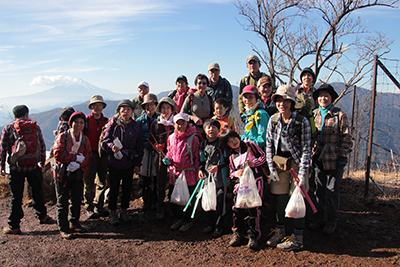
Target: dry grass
{"points": [[4, 189]]}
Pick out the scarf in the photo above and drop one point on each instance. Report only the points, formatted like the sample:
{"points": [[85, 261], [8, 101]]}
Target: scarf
{"points": [[75, 144], [179, 98], [165, 122]]}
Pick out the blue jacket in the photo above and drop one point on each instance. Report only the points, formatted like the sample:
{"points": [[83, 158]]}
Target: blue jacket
{"points": [[256, 126]]}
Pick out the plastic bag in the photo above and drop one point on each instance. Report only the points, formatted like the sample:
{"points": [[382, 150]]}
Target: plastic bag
{"points": [[180, 195], [247, 195], [209, 196], [296, 207]]}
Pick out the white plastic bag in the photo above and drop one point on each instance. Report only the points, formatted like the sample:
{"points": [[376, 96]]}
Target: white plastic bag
{"points": [[296, 208], [180, 195], [247, 195], [209, 196]]}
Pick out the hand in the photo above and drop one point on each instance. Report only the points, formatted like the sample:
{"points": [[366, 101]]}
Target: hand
{"points": [[3, 172], [136, 169], [196, 120], [115, 149], [80, 158], [302, 181], [213, 169], [250, 163], [160, 147], [201, 175], [274, 176], [73, 166], [240, 172], [117, 143], [166, 161]]}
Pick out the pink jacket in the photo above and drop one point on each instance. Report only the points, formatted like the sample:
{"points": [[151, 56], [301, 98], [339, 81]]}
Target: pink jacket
{"points": [[177, 151]]}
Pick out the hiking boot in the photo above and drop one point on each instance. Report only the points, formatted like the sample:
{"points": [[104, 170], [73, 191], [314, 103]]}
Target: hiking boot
{"points": [[293, 242], [217, 232], [252, 243], [47, 220], [8, 231], [208, 229], [90, 214], [177, 224], [123, 214], [316, 224], [277, 236], [114, 218], [76, 227], [235, 240], [330, 226], [102, 212], [65, 235], [185, 227]]}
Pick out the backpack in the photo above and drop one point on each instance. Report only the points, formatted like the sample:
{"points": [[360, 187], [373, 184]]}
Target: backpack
{"points": [[335, 113], [247, 78], [189, 145], [26, 150]]}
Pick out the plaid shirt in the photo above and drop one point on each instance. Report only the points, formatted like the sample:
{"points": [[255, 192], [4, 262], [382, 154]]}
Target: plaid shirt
{"points": [[8, 140], [336, 138], [299, 149]]}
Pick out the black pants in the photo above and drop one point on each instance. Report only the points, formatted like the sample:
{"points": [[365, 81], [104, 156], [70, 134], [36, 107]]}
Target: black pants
{"points": [[16, 183], [115, 176], [149, 190], [177, 210]]}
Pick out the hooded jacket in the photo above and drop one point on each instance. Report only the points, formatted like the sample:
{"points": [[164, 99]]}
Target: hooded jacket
{"points": [[256, 125]]}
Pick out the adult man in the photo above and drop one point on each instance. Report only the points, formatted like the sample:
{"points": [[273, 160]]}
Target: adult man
{"points": [[306, 88], [219, 87], [143, 89], [94, 198], [22, 166], [253, 64]]}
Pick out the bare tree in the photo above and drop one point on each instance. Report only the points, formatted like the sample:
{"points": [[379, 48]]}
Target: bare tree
{"points": [[323, 32]]}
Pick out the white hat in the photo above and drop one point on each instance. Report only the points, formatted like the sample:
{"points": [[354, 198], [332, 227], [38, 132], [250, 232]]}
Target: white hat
{"points": [[143, 83]]}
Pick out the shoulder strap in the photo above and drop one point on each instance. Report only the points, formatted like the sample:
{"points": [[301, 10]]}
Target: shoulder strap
{"points": [[189, 147], [274, 121], [231, 121]]}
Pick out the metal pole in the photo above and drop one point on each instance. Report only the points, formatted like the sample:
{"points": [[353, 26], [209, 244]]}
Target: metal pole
{"points": [[352, 124], [371, 128]]}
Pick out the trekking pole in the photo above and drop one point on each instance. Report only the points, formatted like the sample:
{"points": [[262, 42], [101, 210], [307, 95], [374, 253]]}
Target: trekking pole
{"points": [[160, 152], [194, 192], [197, 199], [296, 178]]}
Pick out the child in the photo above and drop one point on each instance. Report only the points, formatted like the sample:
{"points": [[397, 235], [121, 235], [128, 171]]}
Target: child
{"points": [[212, 163], [181, 160], [238, 158], [221, 106]]}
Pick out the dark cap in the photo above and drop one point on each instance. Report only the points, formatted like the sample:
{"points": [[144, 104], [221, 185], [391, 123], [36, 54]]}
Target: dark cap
{"points": [[326, 87], [307, 70], [76, 114], [20, 111], [125, 103], [183, 77], [211, 122], [66, 113]]}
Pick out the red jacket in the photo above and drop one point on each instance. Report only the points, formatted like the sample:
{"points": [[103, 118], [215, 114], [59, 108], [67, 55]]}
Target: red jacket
{"points": [[65, 157], [93, 130]]}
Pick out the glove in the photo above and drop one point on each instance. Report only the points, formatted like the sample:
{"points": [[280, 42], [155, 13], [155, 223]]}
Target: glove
{"points": [[302, 182], [117, 143], [80, 158], [166, 161], [274, 176], [160, 147], [73, 166]]}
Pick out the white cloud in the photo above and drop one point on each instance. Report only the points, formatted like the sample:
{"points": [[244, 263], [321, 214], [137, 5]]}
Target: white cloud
{"points": [[52, 80]]}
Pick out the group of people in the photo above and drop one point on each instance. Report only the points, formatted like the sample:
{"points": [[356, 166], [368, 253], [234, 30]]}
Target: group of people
{"points": [[190, 135]]}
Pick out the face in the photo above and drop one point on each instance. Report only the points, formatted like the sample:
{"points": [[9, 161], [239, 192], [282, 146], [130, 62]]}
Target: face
{"points": [[166, 110], [253, 66], [249, 100], [201, 85], [78, 124], [181, 85], [214, 74], [307, 79], [283, 105], [143, 90], [265, 90], [125, 112], [211, 132], [180, 126], [234, 143], [324, 99], [220, 110], [97, 108], [150, 108]]}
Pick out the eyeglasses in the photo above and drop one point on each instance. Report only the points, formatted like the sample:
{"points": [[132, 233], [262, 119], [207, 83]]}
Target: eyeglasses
{"points": [[202, 83]]}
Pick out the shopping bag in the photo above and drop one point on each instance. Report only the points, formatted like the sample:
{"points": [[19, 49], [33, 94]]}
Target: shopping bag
{"points": [[247, 195], [296, 207], [180, 195], [209, 196]]}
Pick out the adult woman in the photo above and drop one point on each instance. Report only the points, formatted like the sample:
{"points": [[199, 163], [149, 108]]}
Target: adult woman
{"points": [[181, 92], [72, 152], [199, 105], [329, 157], [124, 144], [288, 146], [264, 87]]}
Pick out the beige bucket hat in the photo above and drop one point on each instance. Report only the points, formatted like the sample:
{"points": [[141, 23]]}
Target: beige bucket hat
{"points": [[97, 99], [285, 91]]}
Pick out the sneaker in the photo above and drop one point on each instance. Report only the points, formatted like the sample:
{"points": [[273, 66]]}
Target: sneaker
{"points": [[76, 227], [277, 236], [235, 240], [177, 224], [47, 220], [90, 214], [65, 235], [102, 212], [114, 218], [208, 229], [8, 231], [252, 243], [291, 243], [330, 226], [217, 232], [185, 227], [123, 214]]}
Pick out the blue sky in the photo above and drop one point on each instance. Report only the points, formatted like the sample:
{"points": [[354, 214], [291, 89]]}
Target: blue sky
{"points": [[116, 44]]}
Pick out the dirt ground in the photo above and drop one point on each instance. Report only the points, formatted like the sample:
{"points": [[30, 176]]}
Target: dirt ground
{"points": [[367, 235]]}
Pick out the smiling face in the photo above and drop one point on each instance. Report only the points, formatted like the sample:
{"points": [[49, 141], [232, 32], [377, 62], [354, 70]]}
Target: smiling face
{"points": [[166, 111], [201, 86], [220, 110], [214, 74], [265, 90], [77, 125], [249, 100], [324, 99], [283, 105], [150, 108], [234, 142], [97, 108], [307, 79], [180, 126], [125, 112], [181, 85]]}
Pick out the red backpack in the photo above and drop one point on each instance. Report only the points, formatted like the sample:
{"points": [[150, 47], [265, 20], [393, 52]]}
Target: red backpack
{"points": [[26, 138]]}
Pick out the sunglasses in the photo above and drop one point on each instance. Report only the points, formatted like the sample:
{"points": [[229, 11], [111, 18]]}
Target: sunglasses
{"points": [[202, 83]]}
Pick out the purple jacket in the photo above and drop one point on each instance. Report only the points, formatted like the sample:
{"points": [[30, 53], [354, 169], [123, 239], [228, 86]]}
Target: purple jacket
{"points": [[131, 139]]}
